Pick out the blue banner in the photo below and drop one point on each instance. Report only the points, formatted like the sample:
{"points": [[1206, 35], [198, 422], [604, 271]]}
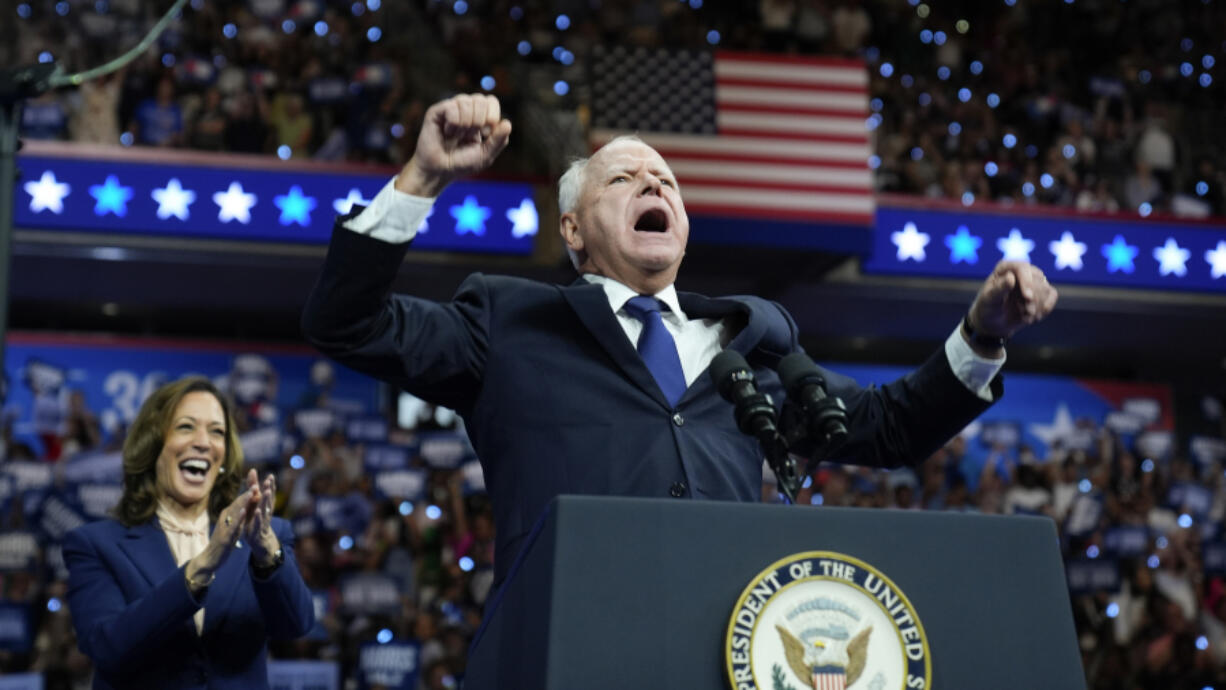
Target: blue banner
{"points": [[252, 198], [55, 380], [1114, 252]]}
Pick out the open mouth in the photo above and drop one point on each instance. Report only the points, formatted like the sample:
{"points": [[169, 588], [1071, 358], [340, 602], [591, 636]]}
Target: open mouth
{"points": [[653, 220], [194, 470]]}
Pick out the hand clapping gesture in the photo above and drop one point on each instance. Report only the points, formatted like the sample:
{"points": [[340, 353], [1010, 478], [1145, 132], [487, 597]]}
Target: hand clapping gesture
{"points": [[460, 136], [248, 517]]}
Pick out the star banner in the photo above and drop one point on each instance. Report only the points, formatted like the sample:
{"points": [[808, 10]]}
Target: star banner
{"points": [[207, 197], [1071, 248]]}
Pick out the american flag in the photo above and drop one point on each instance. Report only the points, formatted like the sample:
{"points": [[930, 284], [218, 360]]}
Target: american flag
{"points": [[748, 135]]}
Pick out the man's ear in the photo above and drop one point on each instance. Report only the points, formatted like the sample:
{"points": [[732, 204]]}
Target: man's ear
{"points": [[568, 227]]}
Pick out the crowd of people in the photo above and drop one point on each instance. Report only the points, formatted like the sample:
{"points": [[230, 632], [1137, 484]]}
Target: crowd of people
{"points": [[386, 570], [1098, 106]]}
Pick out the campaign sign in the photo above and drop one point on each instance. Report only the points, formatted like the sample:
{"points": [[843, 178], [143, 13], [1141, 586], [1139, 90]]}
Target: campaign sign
{"points": [[444, 450], [1187, 497], [370, 593], [1092, 575], [1127, 541], [16, 632], [393, 665], [58, 516], [401, 484], [1213, 558], [303, 675], [98, 500], [366, 430], [18, 551], [385, 457], [22, 681]]}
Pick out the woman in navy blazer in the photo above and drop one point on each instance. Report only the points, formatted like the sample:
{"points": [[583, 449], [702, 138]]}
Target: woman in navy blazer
{"points": [[186, 585]]}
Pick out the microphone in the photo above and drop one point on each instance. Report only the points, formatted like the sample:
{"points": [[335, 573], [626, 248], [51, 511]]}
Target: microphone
{"points": [[823, 418], [755, 416]]}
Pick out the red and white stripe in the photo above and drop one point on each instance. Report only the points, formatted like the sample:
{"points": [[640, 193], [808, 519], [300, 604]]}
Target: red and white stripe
{"points": [[791, 142]]}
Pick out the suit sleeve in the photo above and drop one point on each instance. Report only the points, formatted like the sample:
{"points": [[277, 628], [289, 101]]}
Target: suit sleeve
{"points": [[903, 422], [284, 600], [435, 351], [113, 633], [906, 421]]}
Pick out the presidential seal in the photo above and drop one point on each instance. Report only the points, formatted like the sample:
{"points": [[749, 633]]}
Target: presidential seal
{"points": [[825, 621]]}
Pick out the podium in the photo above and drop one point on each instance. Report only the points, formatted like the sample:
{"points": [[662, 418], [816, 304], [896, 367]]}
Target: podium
{"points": [[622, 593]]}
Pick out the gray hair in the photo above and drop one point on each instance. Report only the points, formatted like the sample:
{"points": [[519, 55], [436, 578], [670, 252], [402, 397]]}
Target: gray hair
{"points": [[570, 185]]}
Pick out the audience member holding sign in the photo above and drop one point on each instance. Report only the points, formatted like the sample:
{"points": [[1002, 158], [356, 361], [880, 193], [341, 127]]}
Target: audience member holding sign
{"points": [[194, 575]]}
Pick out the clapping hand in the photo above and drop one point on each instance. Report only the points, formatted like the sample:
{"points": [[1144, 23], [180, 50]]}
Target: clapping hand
{"points": [[257, 528], [460, 136]]}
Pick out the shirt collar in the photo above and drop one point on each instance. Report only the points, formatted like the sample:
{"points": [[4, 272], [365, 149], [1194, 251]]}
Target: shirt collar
{"points": [[172, 522], [618, 294]]}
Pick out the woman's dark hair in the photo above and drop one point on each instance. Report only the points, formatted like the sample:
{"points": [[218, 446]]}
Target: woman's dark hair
{"points": [[144, 444]]}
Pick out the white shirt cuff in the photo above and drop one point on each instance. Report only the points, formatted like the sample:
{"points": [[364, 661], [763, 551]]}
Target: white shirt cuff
{"points": [[393, 216], [975, 372]]}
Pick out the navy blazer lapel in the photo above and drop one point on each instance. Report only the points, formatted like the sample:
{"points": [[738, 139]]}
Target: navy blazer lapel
{"points": [[146, 545], [592, 307]]}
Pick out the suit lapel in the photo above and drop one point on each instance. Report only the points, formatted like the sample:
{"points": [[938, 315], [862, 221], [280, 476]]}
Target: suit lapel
{"points": [[146, 545], [590, 304], [746, 331]]}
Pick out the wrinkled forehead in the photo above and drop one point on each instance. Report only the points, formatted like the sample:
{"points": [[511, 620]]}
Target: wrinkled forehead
{"points": [[628, 154]]}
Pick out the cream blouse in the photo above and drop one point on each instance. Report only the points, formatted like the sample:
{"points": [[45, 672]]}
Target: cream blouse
{"points": [[187, 540]]}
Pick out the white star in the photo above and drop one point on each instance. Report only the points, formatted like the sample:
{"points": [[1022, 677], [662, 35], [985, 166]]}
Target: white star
{"points": [[525, 219], [1217, 259], [235, 204], [1172, 258], [1061, 428], [425, 222], [47, 193], [910, 242], [1068, 252], [344, 206], [173, 200], [1015, 247]]}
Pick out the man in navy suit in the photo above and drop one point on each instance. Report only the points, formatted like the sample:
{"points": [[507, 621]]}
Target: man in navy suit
{"points": [[550, 380]]}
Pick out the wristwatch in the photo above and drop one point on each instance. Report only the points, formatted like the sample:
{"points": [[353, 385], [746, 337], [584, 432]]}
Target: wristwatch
{"points": [[263, 572], [990, 342]]}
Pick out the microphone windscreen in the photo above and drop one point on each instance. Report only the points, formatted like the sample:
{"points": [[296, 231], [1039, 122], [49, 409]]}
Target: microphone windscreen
{"points": [[724, 368], [796, 370]]}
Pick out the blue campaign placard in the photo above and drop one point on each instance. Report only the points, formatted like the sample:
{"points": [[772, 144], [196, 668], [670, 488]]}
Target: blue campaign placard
{"points": [[217, 198], [1091, 250]]}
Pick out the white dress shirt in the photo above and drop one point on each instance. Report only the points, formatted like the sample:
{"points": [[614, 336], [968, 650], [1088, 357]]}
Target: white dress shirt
{"points": [[395, 217]]}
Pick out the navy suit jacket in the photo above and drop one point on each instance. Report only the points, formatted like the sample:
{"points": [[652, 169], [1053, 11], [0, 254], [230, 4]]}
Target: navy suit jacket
{"points": [[133, 612], [557, 400]]}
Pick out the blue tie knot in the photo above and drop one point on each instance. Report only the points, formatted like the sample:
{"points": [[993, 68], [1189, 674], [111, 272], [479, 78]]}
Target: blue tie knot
{"points": [[642, 305]]}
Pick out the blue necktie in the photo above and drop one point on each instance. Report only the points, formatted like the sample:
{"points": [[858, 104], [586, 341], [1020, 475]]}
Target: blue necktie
{"points": [[657, 347]]}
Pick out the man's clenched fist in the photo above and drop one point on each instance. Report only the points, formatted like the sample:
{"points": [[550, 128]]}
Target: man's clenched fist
{"points": [[460, 136]]}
